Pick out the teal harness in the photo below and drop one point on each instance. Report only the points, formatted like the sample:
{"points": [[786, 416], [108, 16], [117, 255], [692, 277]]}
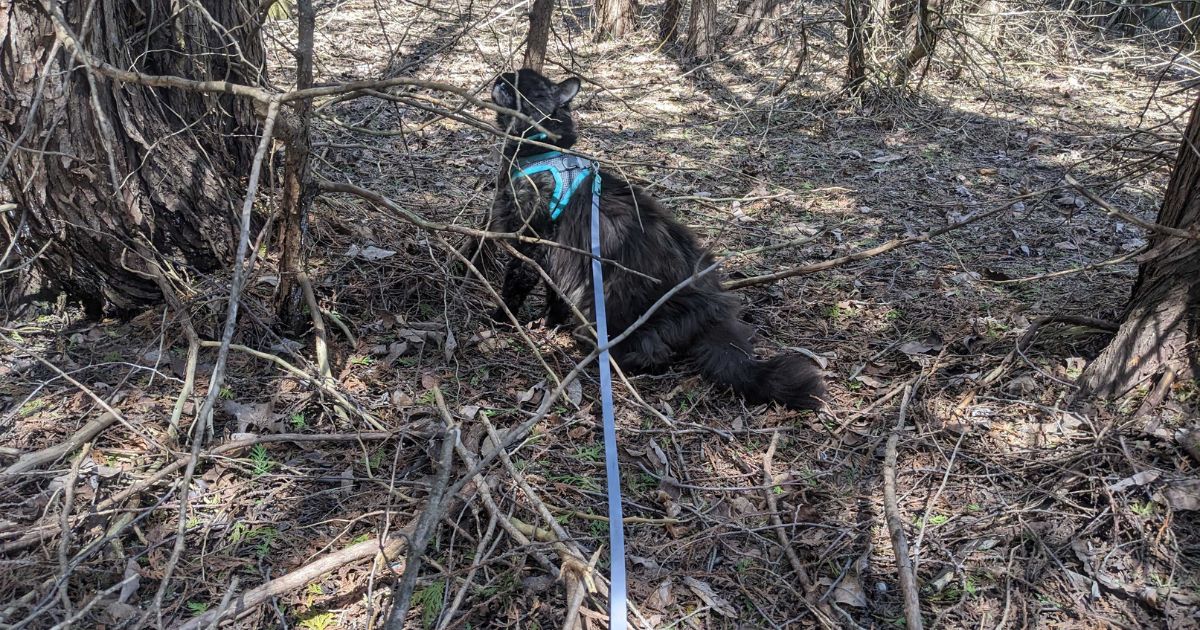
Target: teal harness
{"points": [[568, 172]]}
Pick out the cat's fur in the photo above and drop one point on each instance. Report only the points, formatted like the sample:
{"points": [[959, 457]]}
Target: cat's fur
{"points": [[698, 325]]}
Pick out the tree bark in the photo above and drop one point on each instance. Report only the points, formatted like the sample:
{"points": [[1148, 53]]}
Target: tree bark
{"points": [[857, 35], [298, 190], [755, 15], [702, 31], [1160, 329], [921, 33], [614, 18], [668, 24], [540, 15], [178, 155]]}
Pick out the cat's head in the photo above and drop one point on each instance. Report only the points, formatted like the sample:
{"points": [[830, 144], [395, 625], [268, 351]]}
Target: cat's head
{"points": [[539, 98]]}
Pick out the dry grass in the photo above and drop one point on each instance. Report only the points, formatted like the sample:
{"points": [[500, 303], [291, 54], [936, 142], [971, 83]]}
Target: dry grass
{"points": [[1014, 511]]}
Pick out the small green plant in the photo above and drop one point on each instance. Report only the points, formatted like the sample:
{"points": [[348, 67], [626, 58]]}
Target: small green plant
{"points": [[599, 529], [362, 361], [266, 537], [238, 532], [642, 483], [261, 460], [589, 453], [312, 592], [577, 481], [689, 401], [893, 315], [481, 375], [32, 407], [226, 393], [429, 600], [743, 564], [1143, 509], [938, 519], [193, 522], [837, 312], [112, 357], [298, 421], [197, 608], [974, 507], [375, 460], [317, 621], [361, 538], [969, 587]]}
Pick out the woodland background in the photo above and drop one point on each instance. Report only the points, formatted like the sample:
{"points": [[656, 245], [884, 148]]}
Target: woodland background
{"points": [[247, 375]]}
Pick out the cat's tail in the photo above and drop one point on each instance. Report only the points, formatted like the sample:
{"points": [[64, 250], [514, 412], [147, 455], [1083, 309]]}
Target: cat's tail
{"points": [[723, 355]]}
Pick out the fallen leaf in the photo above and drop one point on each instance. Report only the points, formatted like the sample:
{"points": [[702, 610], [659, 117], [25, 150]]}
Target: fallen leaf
{"points": [[253, 415], [401, 399], [662, 597], [574, 393], [1140, 479], [369, 252], [849, 591], [346, 481], [529, 394], [930, 343], [870, 381], [134, 581], [887, 157], [705, 592], [1181, 494], [451, 345]]}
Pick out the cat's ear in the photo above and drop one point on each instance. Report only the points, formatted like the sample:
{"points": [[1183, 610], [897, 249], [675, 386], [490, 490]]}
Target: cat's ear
{"points": [[503, 93], [567, 90]]}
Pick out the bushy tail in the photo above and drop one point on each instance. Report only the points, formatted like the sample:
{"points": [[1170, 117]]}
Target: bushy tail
{"points": [[724, 356]]}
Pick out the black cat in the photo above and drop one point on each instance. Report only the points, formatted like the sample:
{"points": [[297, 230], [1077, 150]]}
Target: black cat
{"points": [[699, 324]]}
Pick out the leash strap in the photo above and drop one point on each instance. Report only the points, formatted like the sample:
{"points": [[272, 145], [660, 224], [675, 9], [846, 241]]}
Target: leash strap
{"points": [[617, 604]]}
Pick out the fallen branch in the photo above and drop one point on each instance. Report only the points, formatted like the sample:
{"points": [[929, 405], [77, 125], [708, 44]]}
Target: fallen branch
{"points": [[227, 448], [895, 524], [820, 609], [1125, 216], [320, 337], [254, 597], [430, 516], [872, 252], [340, 398], [49, 454]]}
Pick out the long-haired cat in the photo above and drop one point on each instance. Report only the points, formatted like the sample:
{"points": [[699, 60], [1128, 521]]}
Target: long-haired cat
{"points": [[697, 326]]}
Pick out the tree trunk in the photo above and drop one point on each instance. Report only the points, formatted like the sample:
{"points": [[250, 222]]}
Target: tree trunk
{"points": [[1160, 329], [298, 190], [668, 24], [755, 15], [614, 18], [702, 31], [921, 33], [540, 15], [857, 35], [179, 156]]}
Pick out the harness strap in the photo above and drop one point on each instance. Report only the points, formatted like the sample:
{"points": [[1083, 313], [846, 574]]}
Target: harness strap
{"points": [[617, 604]]}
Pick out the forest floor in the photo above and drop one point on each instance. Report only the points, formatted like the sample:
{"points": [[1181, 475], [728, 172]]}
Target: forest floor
{"points": [[1022, 508]]}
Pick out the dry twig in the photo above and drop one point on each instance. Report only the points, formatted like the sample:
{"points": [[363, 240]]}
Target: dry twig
{"points": [[895, 523]]}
